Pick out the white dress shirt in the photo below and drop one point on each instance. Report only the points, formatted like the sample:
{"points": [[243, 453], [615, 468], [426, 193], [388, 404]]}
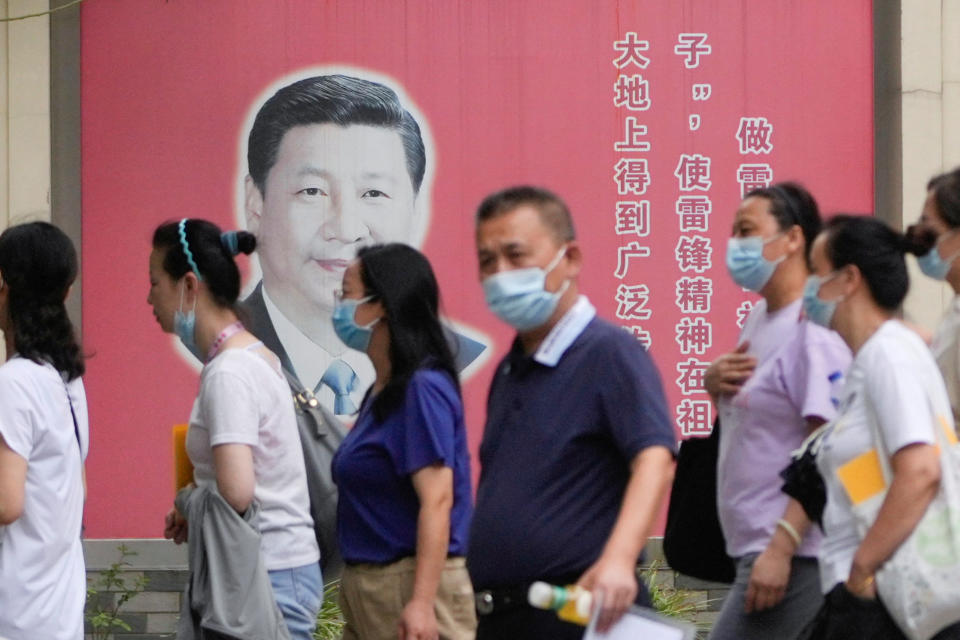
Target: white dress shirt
{"points": [[310, 360]]}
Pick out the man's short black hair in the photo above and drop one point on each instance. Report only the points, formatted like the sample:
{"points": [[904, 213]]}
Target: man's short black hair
{"points": [[335, 99], [553, 211]]}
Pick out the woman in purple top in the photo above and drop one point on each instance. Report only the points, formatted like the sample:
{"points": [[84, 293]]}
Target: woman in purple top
{"points": [[771, 392], [403, 471]]}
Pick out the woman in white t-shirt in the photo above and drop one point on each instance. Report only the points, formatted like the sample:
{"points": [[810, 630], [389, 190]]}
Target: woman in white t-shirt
{"points": [[43, 439], [242, 438], [937, 244], [894, 388]]}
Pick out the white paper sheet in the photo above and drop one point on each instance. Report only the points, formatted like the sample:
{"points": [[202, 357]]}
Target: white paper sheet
{"points": [[633, 627], [643, 624]]}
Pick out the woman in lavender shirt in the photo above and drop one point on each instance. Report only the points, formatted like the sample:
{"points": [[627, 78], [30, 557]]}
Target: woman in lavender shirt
{"points": [[771, 392]]}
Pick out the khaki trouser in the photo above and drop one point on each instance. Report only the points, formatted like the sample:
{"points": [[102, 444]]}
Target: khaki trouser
{"points": [[372, 598]]}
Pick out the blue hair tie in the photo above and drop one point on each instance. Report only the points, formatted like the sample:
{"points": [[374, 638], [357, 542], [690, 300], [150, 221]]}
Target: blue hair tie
{"points": [[230, 242], [182, 228]]}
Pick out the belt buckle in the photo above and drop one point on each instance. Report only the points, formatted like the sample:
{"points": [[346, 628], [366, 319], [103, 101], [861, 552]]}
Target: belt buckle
{"points": [[484, 602]]}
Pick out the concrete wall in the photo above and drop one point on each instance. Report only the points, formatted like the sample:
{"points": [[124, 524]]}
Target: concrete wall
{"points": [[153, 613], [917, 120], [24, 112], [65, 186], [40, 120]]}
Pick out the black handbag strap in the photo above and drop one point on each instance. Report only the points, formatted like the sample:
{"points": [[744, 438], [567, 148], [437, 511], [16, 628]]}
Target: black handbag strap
{"points": [[73, 414], [76, 433]]}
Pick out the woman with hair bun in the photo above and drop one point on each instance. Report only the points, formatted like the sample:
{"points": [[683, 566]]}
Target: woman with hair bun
{"points": [[935, 240], [242, 437], [43, 439], [891, 404]]}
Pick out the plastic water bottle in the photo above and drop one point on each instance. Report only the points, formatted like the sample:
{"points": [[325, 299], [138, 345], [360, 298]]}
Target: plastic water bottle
{"points": [[572, 603]]}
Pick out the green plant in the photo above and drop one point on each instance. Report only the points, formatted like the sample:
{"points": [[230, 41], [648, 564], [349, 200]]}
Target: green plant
{"points": [[330, 619], [670, 601], [103, 614]]}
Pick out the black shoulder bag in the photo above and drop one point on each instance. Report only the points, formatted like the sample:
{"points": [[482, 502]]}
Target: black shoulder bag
{"points": [[693, 542]]}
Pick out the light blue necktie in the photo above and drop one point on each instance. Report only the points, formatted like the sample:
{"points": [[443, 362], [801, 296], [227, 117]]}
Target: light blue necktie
{"points": [[341, 378]]}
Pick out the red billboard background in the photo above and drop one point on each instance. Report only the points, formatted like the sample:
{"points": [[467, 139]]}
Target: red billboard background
{"points": [[512, 92]]}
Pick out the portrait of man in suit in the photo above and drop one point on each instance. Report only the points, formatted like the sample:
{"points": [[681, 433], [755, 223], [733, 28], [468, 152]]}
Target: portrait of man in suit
{"points": [[334, 162]]}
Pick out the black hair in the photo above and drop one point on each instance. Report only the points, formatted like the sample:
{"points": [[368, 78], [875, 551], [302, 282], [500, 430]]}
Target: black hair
{"points": [[336, 99], [553, 211], [401, 279], [38, 263], [946, 193], [919, 239], [946, 196], [876, 250], [212, 252], [791, 204]]}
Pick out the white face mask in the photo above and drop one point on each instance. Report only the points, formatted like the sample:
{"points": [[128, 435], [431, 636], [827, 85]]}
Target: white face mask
{"points": [[518, 296]]}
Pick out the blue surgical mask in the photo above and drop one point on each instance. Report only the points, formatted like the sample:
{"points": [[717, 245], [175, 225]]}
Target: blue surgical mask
{"points": [[746, 264], [817, 310], [185, 326], [932, 265], [518, 297], [345, 325]]}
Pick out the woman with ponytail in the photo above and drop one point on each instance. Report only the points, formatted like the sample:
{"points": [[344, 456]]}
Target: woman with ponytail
{"points": [[890, 407], [43, 439], [242, 438]]}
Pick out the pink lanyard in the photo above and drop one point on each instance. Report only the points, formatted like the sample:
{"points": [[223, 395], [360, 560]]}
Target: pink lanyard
{"points": [[228, 332]]}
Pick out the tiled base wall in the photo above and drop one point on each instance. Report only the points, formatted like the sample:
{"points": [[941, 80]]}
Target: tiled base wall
{"points": [[705, 597], [152, 614]]}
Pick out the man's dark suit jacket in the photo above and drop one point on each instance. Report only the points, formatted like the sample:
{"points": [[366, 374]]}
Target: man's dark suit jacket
{"points": [[257, 320]]}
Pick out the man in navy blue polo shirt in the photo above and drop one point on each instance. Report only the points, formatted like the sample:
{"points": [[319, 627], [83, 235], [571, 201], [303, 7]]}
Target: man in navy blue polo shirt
{"points": [[577, 451]]}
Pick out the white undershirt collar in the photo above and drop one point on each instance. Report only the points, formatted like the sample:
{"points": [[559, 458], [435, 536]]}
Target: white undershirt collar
{"points": [[563, 334], [310, 360]]}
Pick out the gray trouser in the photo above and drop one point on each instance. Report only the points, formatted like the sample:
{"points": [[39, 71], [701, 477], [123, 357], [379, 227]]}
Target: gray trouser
{"points": [[782, 622]]}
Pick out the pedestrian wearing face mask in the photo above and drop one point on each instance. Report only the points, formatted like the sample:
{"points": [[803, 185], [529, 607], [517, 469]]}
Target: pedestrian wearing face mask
{"points": [[403, 471], [890, 548], [577, 450], [244, 445], [771, 392], [936, 242]]}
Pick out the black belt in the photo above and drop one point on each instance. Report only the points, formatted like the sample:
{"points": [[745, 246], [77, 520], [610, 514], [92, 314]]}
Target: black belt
{"points": [[500, 599], [508, 598]]}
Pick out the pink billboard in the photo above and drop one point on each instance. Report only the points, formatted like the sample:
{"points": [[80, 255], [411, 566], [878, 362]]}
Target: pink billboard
{"points": [[650, 119]]}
